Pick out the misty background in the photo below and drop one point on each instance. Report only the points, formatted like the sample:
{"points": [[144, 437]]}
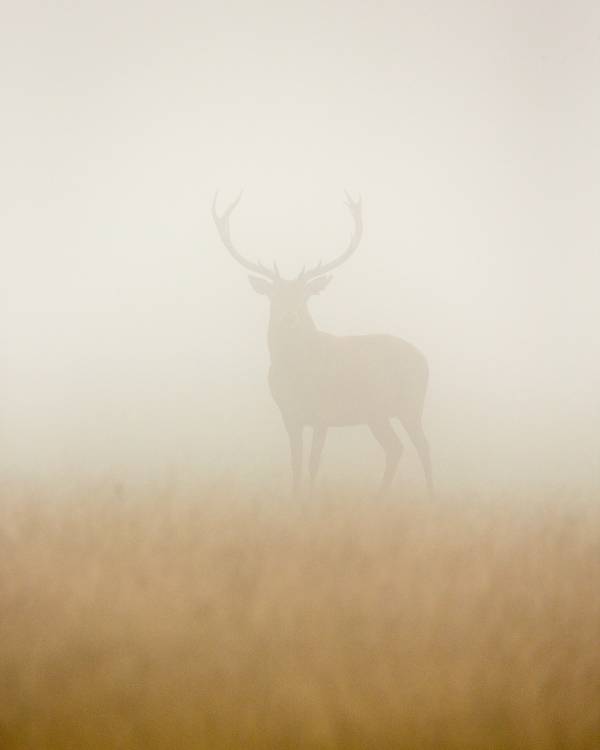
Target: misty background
{"points": [[131, 342]]}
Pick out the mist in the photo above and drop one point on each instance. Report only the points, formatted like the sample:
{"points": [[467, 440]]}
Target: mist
{"points": [[133, 345]]}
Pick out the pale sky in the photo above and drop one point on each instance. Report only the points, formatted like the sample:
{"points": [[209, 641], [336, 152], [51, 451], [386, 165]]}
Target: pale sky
{"points": [[131, 341]]}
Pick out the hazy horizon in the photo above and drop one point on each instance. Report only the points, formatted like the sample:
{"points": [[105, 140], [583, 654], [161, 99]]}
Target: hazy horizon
{"points": [[131, 342]]}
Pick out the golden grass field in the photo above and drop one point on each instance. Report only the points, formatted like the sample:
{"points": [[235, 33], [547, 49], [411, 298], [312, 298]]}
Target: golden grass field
{"points": [[209, 619]]}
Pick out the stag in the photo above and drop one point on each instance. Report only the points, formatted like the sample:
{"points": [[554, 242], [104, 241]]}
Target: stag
{"points": [[320, 380]]}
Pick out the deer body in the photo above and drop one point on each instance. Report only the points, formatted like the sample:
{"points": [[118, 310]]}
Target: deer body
{"points": [[320, 380], [337, 381]]}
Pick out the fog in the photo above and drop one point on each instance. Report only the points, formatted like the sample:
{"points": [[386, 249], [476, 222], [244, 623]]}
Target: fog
{"points": [[132, 343]]}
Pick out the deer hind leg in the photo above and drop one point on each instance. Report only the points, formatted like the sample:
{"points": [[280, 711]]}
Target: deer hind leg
{"points": [[318, 441], [384, 433], [414, 428]]}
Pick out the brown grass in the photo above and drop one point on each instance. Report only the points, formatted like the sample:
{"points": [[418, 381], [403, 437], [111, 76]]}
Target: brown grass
{"points": [[206, 620]]}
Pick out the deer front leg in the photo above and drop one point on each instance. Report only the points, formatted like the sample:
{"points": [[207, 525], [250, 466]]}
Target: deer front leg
{"points": [[294, 430], [318, 441]]}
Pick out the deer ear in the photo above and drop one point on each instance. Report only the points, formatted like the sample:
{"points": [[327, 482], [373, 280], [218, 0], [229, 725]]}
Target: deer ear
{"points": [[261, 286], [316, 286]]}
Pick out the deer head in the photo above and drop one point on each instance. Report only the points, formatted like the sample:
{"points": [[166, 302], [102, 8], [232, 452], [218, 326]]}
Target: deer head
{"points": [[288, 296]]}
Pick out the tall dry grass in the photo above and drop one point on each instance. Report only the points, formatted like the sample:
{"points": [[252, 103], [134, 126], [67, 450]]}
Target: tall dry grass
{"points": [[208, 619]]}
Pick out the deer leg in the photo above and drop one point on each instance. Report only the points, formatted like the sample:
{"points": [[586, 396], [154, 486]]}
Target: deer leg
{"points": [[318, 441], [294, 431], [416, 434], [384, 433]]}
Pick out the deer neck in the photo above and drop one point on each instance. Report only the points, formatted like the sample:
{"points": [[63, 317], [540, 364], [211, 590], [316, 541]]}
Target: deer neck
{"points": [[290, 342]]}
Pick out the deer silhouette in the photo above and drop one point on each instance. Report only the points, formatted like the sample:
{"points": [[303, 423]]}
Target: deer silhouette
{"points": [[320, 380]]}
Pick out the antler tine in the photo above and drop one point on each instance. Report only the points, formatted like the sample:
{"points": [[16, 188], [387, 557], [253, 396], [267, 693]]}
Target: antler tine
{"points": [[222, 223], [230, 207], [356, 211]]}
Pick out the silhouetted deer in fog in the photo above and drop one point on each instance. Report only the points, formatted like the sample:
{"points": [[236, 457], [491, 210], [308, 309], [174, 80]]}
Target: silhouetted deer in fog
{"points": [[320, 380]]}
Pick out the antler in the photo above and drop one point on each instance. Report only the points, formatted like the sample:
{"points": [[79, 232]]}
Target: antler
{"points": [[222, 223], [320, 269]]}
